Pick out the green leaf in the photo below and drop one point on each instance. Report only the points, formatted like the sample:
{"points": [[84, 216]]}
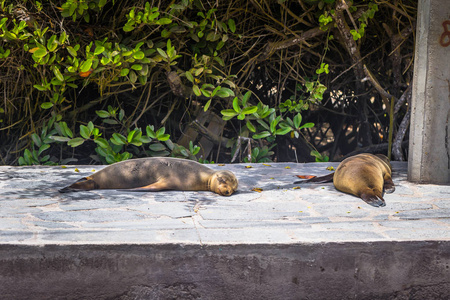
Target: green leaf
{"points": [[250, 126], [133, 77], [39, 53], [228, 112], [52, 44], [144, 70], [297, 120], [71, 51], [198, 71], [236, 105], [110, 121], [160, 132], [273, 125], [101, 142], [102, 113], [232, 25], [189, 76], [261, 135], [36, 139], [137, 136], [43, 148], [207, 105], [86, 65], [128, 27], [99, 50], [263, 124], [66, 130], [163, 137], [283, 131], [22, 161], [90, 126], [40, 87], [196, 90], [118, 139], [139, 55], [47, 105], [206, 93], [124, 72], [110, 158], [136, 67], [250, 110], [212, 36], [164, 21], [157, 147], [246, 97], [225, 92], [220, 61], [214, 92], [130, 136], [75, 142], [84, 132], [150, 132], [58, 138], [28, 156], [58, 74], [307, 125], [142, 80]]}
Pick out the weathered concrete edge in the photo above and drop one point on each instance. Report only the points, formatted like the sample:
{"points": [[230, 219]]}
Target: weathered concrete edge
{"points": [[362, 270]]}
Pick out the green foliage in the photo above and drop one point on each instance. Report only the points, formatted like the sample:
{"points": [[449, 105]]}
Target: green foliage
{"points": [[79, 8], [260, 155], [42, 142], [264, 123], [78, 60], [120, 146], [319, 157]]}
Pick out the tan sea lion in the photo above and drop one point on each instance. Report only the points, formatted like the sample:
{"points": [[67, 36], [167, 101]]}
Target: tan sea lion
{"points": [[364, 175], [158, 173]]}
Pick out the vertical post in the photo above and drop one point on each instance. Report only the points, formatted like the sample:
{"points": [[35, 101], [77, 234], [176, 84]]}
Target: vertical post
{"points": [[429, 144]]}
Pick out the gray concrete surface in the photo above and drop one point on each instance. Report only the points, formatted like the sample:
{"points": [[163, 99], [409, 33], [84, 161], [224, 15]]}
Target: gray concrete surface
{"points": [[290, 241], [429, 142]]}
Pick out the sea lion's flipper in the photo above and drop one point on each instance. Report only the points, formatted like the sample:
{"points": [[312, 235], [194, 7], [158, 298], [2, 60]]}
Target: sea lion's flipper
{"points": [[388, 186], [154, 187], [320, 179], [372, 199], [84, 183]]}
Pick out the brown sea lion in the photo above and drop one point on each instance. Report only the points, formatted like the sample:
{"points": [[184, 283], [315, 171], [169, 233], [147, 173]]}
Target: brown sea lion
{"points": [[364, 175], [158, 173]]}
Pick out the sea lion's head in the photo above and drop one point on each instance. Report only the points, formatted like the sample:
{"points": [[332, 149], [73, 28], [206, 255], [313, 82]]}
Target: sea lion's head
{"points": [[223, 183]]}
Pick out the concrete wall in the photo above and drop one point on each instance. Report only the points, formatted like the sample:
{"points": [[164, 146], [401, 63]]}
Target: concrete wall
{"points": [[429, 157], [382, 270]]}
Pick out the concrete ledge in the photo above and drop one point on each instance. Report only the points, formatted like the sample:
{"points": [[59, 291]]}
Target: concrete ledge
{"points": [[287, 242], [381, 270]]}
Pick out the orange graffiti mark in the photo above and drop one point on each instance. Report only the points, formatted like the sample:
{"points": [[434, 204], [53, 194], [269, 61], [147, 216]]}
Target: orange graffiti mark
{"points": [[445, 36]]}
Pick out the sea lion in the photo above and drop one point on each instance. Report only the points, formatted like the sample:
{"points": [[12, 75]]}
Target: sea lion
{"points": [[158, 173], [364, 175]]}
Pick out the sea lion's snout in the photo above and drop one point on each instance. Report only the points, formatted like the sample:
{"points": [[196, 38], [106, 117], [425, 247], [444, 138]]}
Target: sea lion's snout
{"points": [[224, 183]]}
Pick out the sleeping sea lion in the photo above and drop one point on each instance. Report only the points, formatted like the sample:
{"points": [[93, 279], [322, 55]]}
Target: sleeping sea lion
{"points": [[363, 175], [158, 173]]}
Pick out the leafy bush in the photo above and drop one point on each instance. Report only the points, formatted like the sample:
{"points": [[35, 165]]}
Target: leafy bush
{"points": [[144, 69]]}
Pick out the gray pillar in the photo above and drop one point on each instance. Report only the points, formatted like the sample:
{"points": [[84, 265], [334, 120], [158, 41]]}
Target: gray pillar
{"points": [[429, 146]]}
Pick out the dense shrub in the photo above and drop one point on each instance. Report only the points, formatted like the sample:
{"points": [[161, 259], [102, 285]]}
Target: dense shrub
{"points": [[96, 80]]}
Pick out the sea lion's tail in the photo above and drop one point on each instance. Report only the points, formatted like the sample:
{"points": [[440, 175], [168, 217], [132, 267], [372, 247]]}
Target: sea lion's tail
{"points": [[320, 179], [82, 184]]}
